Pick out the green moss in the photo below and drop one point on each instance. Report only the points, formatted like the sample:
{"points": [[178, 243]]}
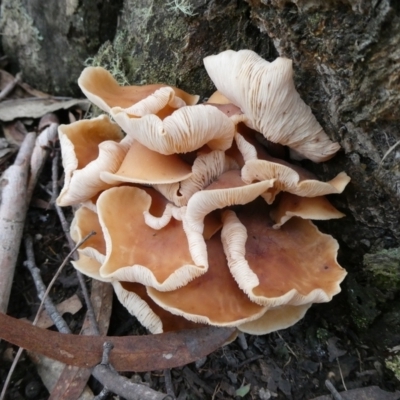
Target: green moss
{"points": [[384, 267], [393, 363]]}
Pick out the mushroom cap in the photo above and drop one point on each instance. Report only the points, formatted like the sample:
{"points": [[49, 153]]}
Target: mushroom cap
{"points": [[275, 319], [266, 94], [289, 205], [185, 130], [227, 190], [88, 147], [213, 298], [289, 180], [133, 296], [136, 252], [86, 220], [293, 265], [100, 87], [142, 165]]}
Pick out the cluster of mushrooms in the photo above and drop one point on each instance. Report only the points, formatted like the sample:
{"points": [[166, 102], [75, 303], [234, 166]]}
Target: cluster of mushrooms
{"points": [[198, 219]]}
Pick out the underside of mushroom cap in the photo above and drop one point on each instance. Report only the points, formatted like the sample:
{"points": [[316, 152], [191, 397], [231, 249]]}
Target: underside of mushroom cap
{"points": [[293, 265], [275, 319], [185, 130], [89, 147], [100, 87], [137, 252], [213, 298], [266, 94], [134, 297], [288, 180]]}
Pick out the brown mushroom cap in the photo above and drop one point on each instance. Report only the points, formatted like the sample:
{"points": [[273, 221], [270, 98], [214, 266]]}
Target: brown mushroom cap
{"points": [[85, 221], [88, 147], [290, 205], [293, 265], [275, 319], [137, 252], [134, 297], [227, 190], [185, 130], [142, 165], [266, 94], [100, 87], [213, 298]]}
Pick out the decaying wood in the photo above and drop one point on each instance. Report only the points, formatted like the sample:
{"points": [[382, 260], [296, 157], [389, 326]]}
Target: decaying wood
{"points": [[13, 209]]}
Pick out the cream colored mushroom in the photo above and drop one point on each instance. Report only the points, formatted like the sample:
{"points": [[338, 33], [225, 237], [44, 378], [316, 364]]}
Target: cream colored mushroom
{"points": [[266, 94], [185, 130]]}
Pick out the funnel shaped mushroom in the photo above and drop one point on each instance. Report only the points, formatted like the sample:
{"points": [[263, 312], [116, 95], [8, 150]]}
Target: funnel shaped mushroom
{"points": [[293, 265], [137, 252], [185, 130], [100, 87], [88, 147], [213, 298], [266, 94]]}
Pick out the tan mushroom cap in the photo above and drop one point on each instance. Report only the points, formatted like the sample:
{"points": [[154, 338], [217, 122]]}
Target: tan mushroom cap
{"points": [[275, 319], [213, 298], [134, 297], [185, 130], [88, 266], [137, 252], [227, 190], [88, 147], [293, 265], [289, 180], [266, 94], [100, 87], [85, 221], [289, 205], [142, 165]]}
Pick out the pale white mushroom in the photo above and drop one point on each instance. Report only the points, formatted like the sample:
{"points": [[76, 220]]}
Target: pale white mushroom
{"points": [[266, 94]]}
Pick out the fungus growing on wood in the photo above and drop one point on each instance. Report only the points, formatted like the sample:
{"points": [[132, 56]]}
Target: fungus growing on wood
{"points": [[189, 201]]}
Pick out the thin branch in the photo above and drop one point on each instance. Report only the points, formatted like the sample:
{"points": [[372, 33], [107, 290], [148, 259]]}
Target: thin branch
{"points": [[41, 288], [14, 205], [335, 394], [169, 387], [120, 385], [10, 86]]}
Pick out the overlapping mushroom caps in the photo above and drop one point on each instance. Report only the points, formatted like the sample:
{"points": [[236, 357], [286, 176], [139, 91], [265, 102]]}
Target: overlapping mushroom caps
{"points": [[196, 222]]}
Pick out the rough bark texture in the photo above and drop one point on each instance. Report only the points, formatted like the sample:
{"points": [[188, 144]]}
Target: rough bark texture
{"points": [[346, 58], [49, 43]]}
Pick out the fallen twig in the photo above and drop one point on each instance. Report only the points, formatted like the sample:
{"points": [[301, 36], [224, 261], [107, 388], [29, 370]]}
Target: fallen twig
{"points": [[14, 206], [335, 394], [10, 86], [116, 383], [169, 387]]}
